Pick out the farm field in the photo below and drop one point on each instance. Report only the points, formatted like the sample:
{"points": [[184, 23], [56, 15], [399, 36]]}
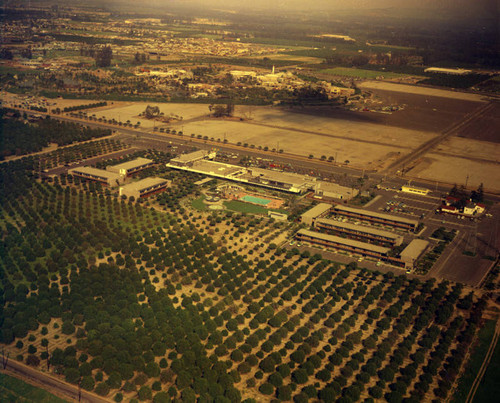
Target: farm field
{"points": [[15, 390], [361, 73]]}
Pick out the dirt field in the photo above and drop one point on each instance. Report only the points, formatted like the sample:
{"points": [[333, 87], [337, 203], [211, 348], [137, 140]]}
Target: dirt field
{"points": [[410, 89], [442, 168], [358, 153], [486, 128], [468, 148]]}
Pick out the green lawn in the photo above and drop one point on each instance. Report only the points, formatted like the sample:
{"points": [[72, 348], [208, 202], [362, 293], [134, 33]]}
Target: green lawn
{"points": [[243, 207], [490, 384], [361, 73], [198, 203], [15, 390], [472, 367]]}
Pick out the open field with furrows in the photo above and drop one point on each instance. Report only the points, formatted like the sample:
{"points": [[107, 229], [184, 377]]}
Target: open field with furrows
{"points": [[167, 303]]}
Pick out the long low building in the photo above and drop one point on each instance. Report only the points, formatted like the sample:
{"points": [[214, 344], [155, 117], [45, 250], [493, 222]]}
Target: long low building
{"points": [[285, 181], [374, 217], [144, 187], [131, 167], [337, 242], [312, 214], [359, 232], [97, 175]]}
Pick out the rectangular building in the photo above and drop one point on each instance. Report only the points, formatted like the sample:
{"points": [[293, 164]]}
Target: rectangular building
{"points": [[414, 190], [144, 187], [360, 232], [288, 181], [131, 167], [277, 216], [334, 191], [413, 251], [378, 218], [349, 245], [98, 175], [320, 210]]}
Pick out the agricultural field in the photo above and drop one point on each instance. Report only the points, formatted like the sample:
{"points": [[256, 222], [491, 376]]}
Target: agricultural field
{"points": [[152, 300], [15, 390]]}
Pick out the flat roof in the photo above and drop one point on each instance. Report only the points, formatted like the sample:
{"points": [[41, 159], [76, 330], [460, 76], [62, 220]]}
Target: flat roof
{"points": [[138, 162], [414, 249], [95, 172], [217, 168], [144, 184], [344, 241], [368, 213], [317, 210], [334, 187], [191, 156], [359, 228], [284, 177]]}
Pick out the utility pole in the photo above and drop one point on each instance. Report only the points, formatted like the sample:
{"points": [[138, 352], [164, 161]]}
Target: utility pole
{"points": [[466, 180], [5, 359]]}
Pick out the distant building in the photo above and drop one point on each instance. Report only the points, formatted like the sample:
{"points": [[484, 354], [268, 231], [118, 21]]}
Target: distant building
{"points": [[458, 72], [320, 210], [98, 175], [145, 187], [131, 167], [413, 251]]}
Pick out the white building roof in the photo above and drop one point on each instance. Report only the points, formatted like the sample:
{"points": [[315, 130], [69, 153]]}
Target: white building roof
{"points": [[143, 184]]}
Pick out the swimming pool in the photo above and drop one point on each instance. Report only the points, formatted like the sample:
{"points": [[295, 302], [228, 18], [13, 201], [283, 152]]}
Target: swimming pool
{"points": [[255, 200]]}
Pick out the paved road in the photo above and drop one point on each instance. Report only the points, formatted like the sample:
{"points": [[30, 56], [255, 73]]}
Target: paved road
{"points": [[52, 384]]}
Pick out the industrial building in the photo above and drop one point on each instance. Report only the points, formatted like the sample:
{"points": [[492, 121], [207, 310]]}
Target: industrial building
{"points": [[97, 175], [360, 232], [349, 245], [413, 251], [376, 218], [320, 210], [330, 190], [144, 187], [131, 167]]}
